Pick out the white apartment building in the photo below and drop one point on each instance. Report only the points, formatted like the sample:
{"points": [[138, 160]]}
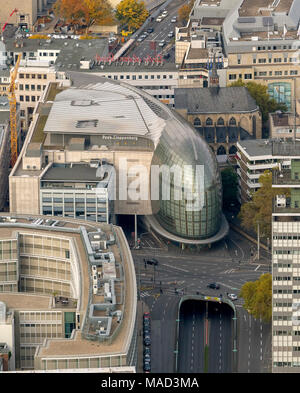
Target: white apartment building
{"points": [[286, 264], [253, 158]]}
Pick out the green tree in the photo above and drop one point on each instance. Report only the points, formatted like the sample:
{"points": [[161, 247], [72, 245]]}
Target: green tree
{"points": [[259, 209], [131, 13], [257, 297], [264, 101], [230, 184]]}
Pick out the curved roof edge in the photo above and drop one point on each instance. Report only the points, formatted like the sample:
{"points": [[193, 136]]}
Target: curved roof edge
{"points": [[155, 225]]}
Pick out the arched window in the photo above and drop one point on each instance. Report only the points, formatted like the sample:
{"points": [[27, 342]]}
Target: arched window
{"points": [[232, 122], [209, 122], [197, 122], [221, 150], [233, 149], [220, 121]]}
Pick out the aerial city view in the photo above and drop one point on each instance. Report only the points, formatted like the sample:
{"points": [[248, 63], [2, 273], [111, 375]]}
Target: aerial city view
{"points": [[149, 187]]}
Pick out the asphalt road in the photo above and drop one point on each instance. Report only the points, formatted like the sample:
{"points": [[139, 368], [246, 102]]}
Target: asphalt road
{"points": [[161, 31], [191, 337], [182, 272], [220, 338]]}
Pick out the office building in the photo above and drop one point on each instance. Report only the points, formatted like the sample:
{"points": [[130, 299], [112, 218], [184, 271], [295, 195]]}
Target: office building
{"points": [[285, 262], [99, 123], [26, 14], [284, 125], [69, 287], [261, 42], [254, 157]]}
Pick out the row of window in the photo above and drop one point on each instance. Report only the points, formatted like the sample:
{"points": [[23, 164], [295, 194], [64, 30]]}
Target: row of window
{"points": [[220, 122], [29, 98], [289, 252], [282, 304], [275, 60], [135, 77], [262, 73], [31, 87], [285, 291], [286, 237], [286, 333], [33, 76]]}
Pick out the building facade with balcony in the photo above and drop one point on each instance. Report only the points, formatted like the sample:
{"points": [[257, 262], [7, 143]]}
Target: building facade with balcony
{"points": [[253, 158], [286, 262]]}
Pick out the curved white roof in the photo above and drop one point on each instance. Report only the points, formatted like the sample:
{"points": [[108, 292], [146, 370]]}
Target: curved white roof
{"points": [[103, 108]]}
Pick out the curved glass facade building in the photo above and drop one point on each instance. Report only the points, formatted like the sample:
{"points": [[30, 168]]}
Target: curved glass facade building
{"points": [[181, 148]]}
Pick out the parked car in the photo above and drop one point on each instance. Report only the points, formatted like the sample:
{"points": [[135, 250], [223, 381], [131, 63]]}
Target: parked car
{"points": [[146, 322], [171, 34], [147, 341], [149, 31], [164, 14], [162, 43], [159, 19], [147, 357], [146, 315], [147, 351], [213, 285], [151, 261], [167, 56], [147, 331], [174, 19], [232, 296], [147, 366]]}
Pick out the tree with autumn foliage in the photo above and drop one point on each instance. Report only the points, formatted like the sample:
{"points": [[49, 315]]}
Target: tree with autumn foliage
{"points": [[259, 209], [131, 13], [88, 12], [184, 11], [70, 11], [257, 297]]}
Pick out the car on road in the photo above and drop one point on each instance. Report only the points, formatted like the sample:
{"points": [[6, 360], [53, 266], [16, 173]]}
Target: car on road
{"points": [[164, 14], [174, 19], [159, 19], [162, 43], [141, 38], [171, 34], [213, 285], [151, 261], [147, 340], [232, 296], [147, 366], [146, 315], [149, 31]]}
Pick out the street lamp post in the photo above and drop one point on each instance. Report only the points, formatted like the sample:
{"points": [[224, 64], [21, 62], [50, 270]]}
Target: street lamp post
{"points": [[258, 240]]}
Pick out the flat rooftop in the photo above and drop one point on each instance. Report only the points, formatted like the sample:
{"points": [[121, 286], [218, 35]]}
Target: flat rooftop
{"points": [[256, 147], [264, 7], [212, 21], [284, 119], [77, 172], [69, 228]]}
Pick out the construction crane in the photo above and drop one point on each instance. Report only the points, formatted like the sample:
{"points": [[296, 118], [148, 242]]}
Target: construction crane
{"points": [[13, 11], [13, 113]]}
